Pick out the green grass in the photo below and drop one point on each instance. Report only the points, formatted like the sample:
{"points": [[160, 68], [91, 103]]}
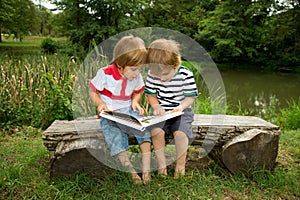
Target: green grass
{"points": [[19, 44], [24, 175], [29, 45], [28, 39]]}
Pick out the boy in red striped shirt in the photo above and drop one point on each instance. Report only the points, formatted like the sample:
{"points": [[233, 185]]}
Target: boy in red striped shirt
{"points": [[118, 87]]}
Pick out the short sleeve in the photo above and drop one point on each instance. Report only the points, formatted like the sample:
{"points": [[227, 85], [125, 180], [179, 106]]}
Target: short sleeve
{"points": [[189, 86], [150, 87], [140, 86], [99, 81]]}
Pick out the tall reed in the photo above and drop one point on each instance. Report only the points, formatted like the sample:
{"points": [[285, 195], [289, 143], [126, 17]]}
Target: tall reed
{"points": [[35, 89]]}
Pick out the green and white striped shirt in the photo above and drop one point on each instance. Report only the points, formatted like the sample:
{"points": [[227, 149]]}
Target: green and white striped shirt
{"points": [[171, 93]]}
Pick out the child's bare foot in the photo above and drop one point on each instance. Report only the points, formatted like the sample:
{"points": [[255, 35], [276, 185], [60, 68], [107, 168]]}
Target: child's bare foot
{"points": [[162, 172], [136, 179], [179, 172], [146, 178]]}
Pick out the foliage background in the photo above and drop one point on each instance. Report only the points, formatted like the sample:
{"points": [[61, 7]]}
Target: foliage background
{"points": [[264, 34]]}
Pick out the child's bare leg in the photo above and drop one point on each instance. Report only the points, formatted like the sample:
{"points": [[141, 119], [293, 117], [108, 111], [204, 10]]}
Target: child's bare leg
{"points": [[124, 159], [181, 143], [146, 160], [158, 140]]}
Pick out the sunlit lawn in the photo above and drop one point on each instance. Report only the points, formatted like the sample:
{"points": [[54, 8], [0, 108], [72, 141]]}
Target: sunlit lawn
{"points": [[24, 175]]}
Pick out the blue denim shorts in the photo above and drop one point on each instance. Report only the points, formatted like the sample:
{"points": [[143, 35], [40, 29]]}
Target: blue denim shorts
{"points": [[116, 135]]}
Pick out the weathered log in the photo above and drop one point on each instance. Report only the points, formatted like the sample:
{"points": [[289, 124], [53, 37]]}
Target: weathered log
{"points": [[80, 143], [254, 150], [76, 156]]}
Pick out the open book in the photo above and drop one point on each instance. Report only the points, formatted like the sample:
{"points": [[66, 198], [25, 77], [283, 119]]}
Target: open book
{"points": [[139, 123]]}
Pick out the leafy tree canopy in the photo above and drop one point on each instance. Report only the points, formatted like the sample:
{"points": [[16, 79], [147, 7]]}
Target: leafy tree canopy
{"points": [[262, 32]]}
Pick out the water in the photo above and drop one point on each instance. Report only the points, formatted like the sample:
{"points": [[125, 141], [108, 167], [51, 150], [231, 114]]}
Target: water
{"points": [[256, 91]]}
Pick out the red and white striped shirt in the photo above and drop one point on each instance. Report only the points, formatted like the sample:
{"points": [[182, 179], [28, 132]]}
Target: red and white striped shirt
{"points": [[114, 89]]}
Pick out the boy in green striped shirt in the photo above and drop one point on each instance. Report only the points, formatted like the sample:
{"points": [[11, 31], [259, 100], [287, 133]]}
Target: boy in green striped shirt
{"points": [[170, 87]]}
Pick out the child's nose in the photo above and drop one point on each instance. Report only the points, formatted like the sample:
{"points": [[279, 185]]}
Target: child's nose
{"points": [[137, 72]]}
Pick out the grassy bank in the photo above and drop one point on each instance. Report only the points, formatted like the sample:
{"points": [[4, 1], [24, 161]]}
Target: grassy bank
{"points": [[20, 48], [29, 45], [24, 175]]}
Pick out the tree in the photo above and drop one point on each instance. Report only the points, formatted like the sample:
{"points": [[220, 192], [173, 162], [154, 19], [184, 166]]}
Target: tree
{"points": [[6, 13], [16, 17], [178, 15], [232, 31], [43, 21], [85, 20], [282, 38], [22, 18]]}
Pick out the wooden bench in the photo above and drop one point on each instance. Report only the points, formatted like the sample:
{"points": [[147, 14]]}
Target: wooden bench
{"points": [[238, 143]]}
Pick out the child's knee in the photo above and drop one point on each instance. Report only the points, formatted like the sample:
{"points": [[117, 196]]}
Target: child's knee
{"points": [[157, 132], [180, 134]]}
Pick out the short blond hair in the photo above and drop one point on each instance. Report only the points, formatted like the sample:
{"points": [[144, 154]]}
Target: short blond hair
{"points": [[129, 51], [163, 55]]}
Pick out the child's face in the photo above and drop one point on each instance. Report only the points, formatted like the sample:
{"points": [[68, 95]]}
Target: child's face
{"points": [[166, 76], [131, 72]]}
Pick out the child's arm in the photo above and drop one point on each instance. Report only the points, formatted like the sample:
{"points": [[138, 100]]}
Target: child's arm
{"points": [[187, 102], [157, 109], [98, 102], [135, 103]]}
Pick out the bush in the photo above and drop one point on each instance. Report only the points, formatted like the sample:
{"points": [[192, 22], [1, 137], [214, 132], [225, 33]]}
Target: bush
{"points": [[49, 45]]}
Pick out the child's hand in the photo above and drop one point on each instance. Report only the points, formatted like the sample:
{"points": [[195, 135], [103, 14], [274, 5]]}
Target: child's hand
{"points": [[158, 110], [102, 107], [178, 108], [136, 106]]}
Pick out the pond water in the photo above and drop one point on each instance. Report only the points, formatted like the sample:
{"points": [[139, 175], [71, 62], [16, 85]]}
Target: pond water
{"points": [[256, 91]]}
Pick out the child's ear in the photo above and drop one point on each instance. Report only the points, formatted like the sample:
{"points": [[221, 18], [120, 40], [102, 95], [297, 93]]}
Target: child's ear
{"points": [[118, 66]]}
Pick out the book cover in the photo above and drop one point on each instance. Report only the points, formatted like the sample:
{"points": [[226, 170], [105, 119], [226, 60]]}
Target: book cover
{"points": [[139, 123]]}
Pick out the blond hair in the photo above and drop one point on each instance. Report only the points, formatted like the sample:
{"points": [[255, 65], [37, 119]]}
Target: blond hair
{"points": [[129, 51], [163, 55]]}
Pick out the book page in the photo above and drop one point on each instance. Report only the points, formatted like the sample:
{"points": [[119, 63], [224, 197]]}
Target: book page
{"points": [[122, 118], [151, 120], [139, 123]]}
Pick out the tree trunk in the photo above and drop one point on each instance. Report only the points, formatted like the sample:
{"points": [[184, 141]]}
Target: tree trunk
{"points": [[0, 34], [238, 143]]}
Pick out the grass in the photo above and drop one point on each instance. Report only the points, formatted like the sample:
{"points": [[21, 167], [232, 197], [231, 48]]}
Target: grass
{"points": [[24, 175], [27, 39], [19, 44], [20, 48], [29, 45]]}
